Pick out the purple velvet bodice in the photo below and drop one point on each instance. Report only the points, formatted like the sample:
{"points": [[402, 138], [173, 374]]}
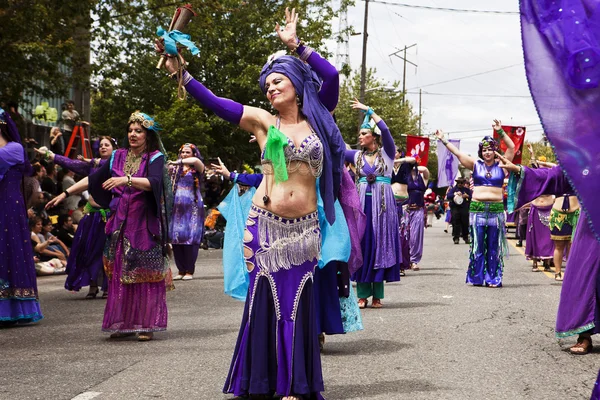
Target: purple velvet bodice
{"points": [[487, 176], [416, 190]]}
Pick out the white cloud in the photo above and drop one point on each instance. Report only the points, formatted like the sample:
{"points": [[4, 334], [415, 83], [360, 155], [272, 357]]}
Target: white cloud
{"points": [[451, 45]]}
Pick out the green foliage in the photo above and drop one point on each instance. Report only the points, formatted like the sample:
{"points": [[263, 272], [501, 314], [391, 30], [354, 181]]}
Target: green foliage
{"points": [[39, 39], [386, 99], [540, 149], [235, 38]]}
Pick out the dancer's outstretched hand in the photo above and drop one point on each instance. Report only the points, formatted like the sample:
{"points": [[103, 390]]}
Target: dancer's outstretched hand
{"points": [[506, 164], [357, 105], [287, 34], [55, 201], [221, 169], [497, 125], [172, 63]]}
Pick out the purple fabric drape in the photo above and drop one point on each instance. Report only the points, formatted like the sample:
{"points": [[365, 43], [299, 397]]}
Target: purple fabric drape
{"points": [[447, 164], [561, 45]]}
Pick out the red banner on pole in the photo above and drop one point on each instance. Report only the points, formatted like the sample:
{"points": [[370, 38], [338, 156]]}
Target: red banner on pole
{"points": [[418, 147], [517, 134]]}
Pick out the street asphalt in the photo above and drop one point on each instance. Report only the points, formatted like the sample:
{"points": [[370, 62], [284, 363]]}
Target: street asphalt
{"points": [[435, 338]]}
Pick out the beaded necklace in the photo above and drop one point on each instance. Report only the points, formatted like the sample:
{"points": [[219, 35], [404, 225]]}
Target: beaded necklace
{"points": [[132, 163]]}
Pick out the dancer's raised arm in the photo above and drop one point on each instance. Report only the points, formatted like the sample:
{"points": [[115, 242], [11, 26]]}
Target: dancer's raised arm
{"points": [[386, 136], [510, 146], [330, 88]]}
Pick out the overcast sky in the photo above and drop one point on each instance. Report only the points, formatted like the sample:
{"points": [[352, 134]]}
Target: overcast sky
{"points": [[452, 45]]}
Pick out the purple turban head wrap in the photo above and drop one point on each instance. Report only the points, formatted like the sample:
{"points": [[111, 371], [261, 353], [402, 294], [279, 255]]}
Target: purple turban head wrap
{"points": [[486, 142], [11, 134], [307, 85]]}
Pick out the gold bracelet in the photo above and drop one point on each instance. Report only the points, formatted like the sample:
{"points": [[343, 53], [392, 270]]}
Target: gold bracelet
{"points": [[129, 180]]}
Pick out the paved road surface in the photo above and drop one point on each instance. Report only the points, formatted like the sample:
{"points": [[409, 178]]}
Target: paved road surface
{"points": [[436, 338]]}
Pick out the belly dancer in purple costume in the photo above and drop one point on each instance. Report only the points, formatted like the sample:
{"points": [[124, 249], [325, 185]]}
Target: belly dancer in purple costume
{"points": [[131, 185], [538, 245], [84, 265], [400, 174], [187, 219], [277, 351], [563, 75], [18, 287], [417, 184], [382, 255], [487, 222]]}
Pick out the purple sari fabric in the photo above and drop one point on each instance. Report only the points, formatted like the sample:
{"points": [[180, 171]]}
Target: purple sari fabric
{"points": [[84, 265], [539, 245], [18, 287], [562, 60], [578, 308]]}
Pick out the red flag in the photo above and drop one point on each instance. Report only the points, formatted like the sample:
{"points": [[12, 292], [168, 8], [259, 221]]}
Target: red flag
{"points": [[418, 147], [517, 134]]}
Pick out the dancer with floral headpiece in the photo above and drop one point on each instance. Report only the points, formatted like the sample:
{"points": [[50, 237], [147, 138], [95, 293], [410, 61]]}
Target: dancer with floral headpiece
{"points": [[277, 352], [18, 288], [187, 220], [486, 220], [382, 254], [131, 185]]}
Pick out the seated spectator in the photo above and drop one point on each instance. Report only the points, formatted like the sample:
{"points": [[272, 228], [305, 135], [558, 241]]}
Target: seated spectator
{"points": [[49, 183], [68, 180], [65, 231], [78, 213], [39, 208], [46, 234], [43, 250]]}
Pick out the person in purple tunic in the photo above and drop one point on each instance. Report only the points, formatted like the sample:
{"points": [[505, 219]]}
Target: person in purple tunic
{"points": [[277, 351], [18, 288], [85, 265], [187, 219], [417, 185], [487, 231], [400, 173], [578, 308], [538, 244], [131, 185], [382, 254]]}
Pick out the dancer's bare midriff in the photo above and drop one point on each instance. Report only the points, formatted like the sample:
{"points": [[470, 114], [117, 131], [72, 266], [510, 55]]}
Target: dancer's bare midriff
{"points": [[487, 193], [544, 201], [293, 198], [573, 203], [400, 189]]}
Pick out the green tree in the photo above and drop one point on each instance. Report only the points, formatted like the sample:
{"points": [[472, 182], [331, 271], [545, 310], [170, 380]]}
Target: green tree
{"points": [[386, 99], [235, 38], [540, 149], [39, 41]]}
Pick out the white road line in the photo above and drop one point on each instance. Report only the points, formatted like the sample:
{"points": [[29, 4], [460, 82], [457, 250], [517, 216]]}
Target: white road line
{"points": [[86, 396]]}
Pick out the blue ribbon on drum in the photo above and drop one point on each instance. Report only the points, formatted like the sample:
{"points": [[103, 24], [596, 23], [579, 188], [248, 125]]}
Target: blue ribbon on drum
{"points": [[173, 37]]}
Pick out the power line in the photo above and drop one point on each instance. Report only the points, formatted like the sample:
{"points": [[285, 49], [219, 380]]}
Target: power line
{"points": [[474, 95], [469, 76], [446, 9]]}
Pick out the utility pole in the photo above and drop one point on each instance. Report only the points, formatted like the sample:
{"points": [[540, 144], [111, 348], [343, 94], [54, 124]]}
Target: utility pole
{"points": [[420, 114], [363, 67], [404, 72]]}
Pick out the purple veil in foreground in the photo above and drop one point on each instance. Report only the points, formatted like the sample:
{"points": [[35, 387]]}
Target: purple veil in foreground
{"points": [[561, 46]]}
